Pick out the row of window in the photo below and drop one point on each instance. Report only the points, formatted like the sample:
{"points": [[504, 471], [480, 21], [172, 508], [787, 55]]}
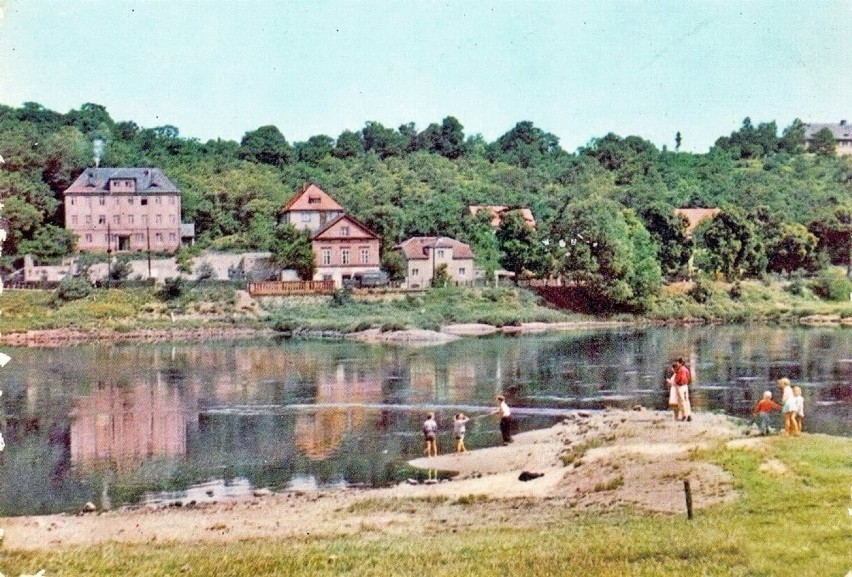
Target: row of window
{"points": [[345, 255], [117, 200], [138, 237], [116, 219], [415, 272]]}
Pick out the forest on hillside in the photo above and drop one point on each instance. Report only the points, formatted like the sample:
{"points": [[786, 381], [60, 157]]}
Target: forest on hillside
{"points": [[604, 212]]}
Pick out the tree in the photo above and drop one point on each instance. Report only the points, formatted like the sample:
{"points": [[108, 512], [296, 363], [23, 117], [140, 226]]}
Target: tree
{"points": [[525, 145], [446, 139], [383, 141], [793, 138], [734, 246], [291, 249], [266, 145], [823, 142], [520, 248], [605, 251], [792, 248], [49, 243], [678, 140], [315, 149], [349, 144], [482, 238], [834, 234], [668, 231], [393, 263]]}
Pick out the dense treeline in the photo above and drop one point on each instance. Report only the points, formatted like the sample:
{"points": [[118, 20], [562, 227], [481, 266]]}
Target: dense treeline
{"points": [[604, 212]]}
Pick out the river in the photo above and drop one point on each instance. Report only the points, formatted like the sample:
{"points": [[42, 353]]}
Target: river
{"points": [[137, 424]]}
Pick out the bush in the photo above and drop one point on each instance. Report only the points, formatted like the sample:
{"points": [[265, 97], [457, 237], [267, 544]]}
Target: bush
{"points": [[701, 291], [172, 288], [72, 289], [341, 298], [736, 291], [796, 286], [832, 286]]}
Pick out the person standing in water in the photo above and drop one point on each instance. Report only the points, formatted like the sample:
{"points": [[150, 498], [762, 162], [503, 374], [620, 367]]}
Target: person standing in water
{"points": [[505, 419], [682, 379]]}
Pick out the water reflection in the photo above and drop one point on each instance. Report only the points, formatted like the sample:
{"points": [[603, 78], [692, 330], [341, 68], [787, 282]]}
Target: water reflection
{"points": [[124, 424]]}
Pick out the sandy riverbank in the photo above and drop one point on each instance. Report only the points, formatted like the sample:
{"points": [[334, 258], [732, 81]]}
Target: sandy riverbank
{"points": [[590, 461]]}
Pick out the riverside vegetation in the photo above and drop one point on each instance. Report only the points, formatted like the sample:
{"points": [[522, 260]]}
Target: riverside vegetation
{"points": [[218, 306]]}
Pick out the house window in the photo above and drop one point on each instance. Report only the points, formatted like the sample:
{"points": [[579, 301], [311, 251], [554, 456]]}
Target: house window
{"points": [[74, 219], [116, 219], [144, 219], [72, 201], [326, 256], [172, 236], [461, 271], [415, 272], [365, 256], [344, 231], [101, 201], [172, 219], [306, 217], [102, 219], [88, 238], [158, 237], [158, 200], [440, 254], [139, 237], [129, 219], [89, 201], [314, 200], [344, 256], [88, 219], [171, 200], [129, 200], [143, 201], [158, 219], [117, 200], [106, 240]]}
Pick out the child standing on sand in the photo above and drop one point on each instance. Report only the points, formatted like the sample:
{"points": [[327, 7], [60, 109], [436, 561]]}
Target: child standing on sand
{"points": [[763, 407], [789, 407], [430, 435], [459, 428], [800, 407]]}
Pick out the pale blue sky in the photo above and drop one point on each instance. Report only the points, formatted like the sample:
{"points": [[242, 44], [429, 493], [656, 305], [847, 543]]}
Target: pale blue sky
{"points": [[218, 68]]}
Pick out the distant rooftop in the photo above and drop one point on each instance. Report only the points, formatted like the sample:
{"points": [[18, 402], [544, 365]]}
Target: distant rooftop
{"points": [[148, 180], [841, 130]]}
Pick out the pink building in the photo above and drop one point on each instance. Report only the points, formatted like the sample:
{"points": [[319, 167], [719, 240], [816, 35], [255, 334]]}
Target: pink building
{"points": [[124, 209], [343, 248], [423, 254], [310, 209]]}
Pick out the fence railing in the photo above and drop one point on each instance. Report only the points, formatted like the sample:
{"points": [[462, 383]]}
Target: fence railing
{"points": [[290, 287]]}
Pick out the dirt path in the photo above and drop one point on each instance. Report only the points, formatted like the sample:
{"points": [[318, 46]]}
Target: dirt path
{"points": [[590, 461]]}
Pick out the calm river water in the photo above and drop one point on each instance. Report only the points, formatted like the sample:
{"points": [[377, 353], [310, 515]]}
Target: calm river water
{"points": [[198, 422]]}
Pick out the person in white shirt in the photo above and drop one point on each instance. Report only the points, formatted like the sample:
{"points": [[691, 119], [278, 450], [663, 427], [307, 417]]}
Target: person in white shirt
{"points": [[505, 419]]}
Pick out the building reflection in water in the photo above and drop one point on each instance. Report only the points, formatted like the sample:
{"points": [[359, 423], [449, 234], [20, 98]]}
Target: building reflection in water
{"points": [[127, 424]]}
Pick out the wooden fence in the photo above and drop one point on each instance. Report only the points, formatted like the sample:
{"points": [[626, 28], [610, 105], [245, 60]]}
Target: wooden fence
{"points": [[290, 287]]}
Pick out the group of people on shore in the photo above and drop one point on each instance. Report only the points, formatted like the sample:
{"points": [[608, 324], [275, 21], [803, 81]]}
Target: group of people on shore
{"points": [[430, 428], [793, 407]]}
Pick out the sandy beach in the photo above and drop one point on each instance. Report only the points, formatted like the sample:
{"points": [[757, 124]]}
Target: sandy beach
{"points": [[605, 460]]}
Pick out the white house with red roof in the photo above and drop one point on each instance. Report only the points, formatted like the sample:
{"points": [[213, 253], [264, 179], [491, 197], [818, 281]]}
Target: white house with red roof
{"points": [[311, 208], [344, 248], [424, 254]]}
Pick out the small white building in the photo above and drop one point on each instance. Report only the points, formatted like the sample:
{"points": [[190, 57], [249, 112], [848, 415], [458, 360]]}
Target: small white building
{"points": [[424, 254]]}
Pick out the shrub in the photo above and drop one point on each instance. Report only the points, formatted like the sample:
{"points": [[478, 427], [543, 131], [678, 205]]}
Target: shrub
{"points": [[736, 291], [832, 286], [172, 288], [72, 289], [341, 298], [701, 291], [796, 286]]}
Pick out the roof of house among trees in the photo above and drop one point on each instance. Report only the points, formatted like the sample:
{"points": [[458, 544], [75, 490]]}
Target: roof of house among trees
{"points": [[96, 180]]}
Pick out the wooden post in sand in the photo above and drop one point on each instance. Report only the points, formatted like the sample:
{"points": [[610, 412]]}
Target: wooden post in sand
{"points": [[688, 490]]}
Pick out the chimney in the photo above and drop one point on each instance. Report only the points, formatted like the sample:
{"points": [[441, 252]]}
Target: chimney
{"points": [[842, 123]]}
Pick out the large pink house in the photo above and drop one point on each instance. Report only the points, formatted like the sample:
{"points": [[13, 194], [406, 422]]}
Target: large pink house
{"points": [[343, 247], [124, 209]]}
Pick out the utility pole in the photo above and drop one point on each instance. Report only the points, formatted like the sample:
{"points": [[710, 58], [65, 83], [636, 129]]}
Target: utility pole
{"points": [[148, 238], [109, 255]]}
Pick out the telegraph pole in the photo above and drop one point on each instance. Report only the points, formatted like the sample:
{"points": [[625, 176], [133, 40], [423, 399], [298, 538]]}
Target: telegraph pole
{"points": [[148, 238]]}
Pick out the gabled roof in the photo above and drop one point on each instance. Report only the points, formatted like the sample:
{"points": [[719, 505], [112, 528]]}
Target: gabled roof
{"points": [[418, 247], [96, 180], [840, 130], [312, 198], [696, 215], [496, 213], [325, 233]]}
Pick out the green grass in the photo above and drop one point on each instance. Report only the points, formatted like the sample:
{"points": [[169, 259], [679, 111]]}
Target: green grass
{"points": [[794, 525]]}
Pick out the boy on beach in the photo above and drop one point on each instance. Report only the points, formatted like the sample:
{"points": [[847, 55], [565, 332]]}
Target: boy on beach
{"points": [[459, 428], [763, 407], [430, 435]]}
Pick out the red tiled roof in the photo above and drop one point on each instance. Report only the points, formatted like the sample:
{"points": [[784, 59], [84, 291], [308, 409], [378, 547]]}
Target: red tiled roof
{"points": [[696, 215], [417, 247], [497, 214], [366, 233], [311, 197]]}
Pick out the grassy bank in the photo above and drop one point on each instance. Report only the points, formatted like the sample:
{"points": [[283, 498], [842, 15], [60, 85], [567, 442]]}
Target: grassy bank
{"points": [[790, 521], [218, 306]]}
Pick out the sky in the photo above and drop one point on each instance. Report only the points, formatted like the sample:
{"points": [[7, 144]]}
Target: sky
{"points": [[220, 68]]}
